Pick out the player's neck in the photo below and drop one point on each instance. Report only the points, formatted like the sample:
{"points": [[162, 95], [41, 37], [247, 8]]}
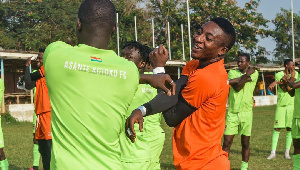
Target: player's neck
{"points": [[94, 41], [204, 63]]}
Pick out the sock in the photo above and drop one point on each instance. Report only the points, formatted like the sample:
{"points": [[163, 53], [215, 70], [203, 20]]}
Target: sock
{"points": [[4, 164], [289, 140], [244, 165], [275, 138], [36, 155], [296, 162]]}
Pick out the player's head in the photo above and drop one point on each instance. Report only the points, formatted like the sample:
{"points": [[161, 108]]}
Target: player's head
{"points": [[96, 22], [135, 52], [148, 67], [39, 58], [213, 39], [243, 61], [289, 64]]}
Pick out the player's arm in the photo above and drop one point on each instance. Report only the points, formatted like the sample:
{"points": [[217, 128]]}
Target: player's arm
{"points": [[30, 78], [272, 85], [159, 103], [244, 79]]}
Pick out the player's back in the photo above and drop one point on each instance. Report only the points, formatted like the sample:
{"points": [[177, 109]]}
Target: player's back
{"points": [[90, 90]]}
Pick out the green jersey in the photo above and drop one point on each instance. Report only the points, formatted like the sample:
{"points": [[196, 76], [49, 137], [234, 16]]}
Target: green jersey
{"points": [[297, 102], [241, 101], [283, 98], [2, 88], [140, 150], [90, 91]]}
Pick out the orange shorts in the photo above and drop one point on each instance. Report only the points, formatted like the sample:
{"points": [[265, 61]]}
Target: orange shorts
{"points": [[220, 162], [43, 126]]}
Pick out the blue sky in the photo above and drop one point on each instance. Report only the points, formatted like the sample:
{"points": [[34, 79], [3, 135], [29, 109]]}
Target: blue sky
{"points": [[269, 8]]}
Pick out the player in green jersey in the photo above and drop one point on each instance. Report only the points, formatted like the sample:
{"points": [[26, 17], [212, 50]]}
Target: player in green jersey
{"points": [[90, 90], [145, 152], [3, 161], [240, 114], [293, 82], [284, 111]]}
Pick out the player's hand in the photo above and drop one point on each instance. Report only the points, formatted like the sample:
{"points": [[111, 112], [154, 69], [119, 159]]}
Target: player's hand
{"points": [[28, 62], [135, 117], [250, 71], [284, 79], [272, 85], [159, 56], [292, 71], [160, 81]]}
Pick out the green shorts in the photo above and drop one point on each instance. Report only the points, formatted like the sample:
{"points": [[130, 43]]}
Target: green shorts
{"points": [[239, 123], [34, 121], [283, 117], [1, 136], [296, 128], [156, 142]]}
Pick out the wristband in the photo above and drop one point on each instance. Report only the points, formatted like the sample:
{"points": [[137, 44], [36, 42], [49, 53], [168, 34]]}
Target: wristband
{"points": [[159, 70], [143, 110]]}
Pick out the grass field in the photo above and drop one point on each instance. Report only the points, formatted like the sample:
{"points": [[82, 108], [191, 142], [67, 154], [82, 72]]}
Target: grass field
{"points": [[18, 144]]}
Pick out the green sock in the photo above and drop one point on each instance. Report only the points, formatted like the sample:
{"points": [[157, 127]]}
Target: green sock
{"points": [[4, 164], [36, 155], [289, 140], [244, 165], [275, 138], [296, 162]]}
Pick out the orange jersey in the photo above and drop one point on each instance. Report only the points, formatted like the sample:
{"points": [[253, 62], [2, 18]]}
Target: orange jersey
{"points": [[42, 100], [190, 67], [197, 139]]}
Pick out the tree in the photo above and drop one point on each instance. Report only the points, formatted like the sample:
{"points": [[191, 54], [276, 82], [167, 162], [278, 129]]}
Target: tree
{"points": [[30, 25], [126, 11], [283, 35]]}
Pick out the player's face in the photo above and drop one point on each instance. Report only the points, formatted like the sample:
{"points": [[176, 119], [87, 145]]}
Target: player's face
{"points": [[290, 65], [243, 64], [207, 42], [133, 54], [39, 59]]}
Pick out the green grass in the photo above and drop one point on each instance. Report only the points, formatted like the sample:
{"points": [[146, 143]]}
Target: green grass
{"points": [[260, 144], [18, 144]]}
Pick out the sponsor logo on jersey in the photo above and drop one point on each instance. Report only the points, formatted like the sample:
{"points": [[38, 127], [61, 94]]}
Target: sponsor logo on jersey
{"points": [[96, 59]]}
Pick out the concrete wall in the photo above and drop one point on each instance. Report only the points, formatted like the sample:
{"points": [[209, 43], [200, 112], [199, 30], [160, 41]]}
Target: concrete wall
{"points": [[265, 100], [22, 112]]}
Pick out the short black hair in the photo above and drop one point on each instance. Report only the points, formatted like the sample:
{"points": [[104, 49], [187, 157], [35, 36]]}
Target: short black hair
{"points": [[41, 50], [246, 55], [228, 28], [148, 51], [98, 13], [286, 62], [143, 49]]}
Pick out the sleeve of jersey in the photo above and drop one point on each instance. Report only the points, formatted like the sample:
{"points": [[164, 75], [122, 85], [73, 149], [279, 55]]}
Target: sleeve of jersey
{"points": [[254, 76], [231, 75], [189, 67], [199, 88], [2, 88], [278, 76], [50, 48]]}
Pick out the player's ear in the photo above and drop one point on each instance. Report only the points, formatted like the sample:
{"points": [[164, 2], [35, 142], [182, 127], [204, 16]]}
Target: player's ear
{"points": [[114, 29], [142, 65], [223, 51], [78, 25]]}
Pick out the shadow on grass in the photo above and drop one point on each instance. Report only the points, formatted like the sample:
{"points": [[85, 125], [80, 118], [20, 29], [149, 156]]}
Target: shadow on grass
{"points": [[256, 152], [167, 166], [13, 167]]}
